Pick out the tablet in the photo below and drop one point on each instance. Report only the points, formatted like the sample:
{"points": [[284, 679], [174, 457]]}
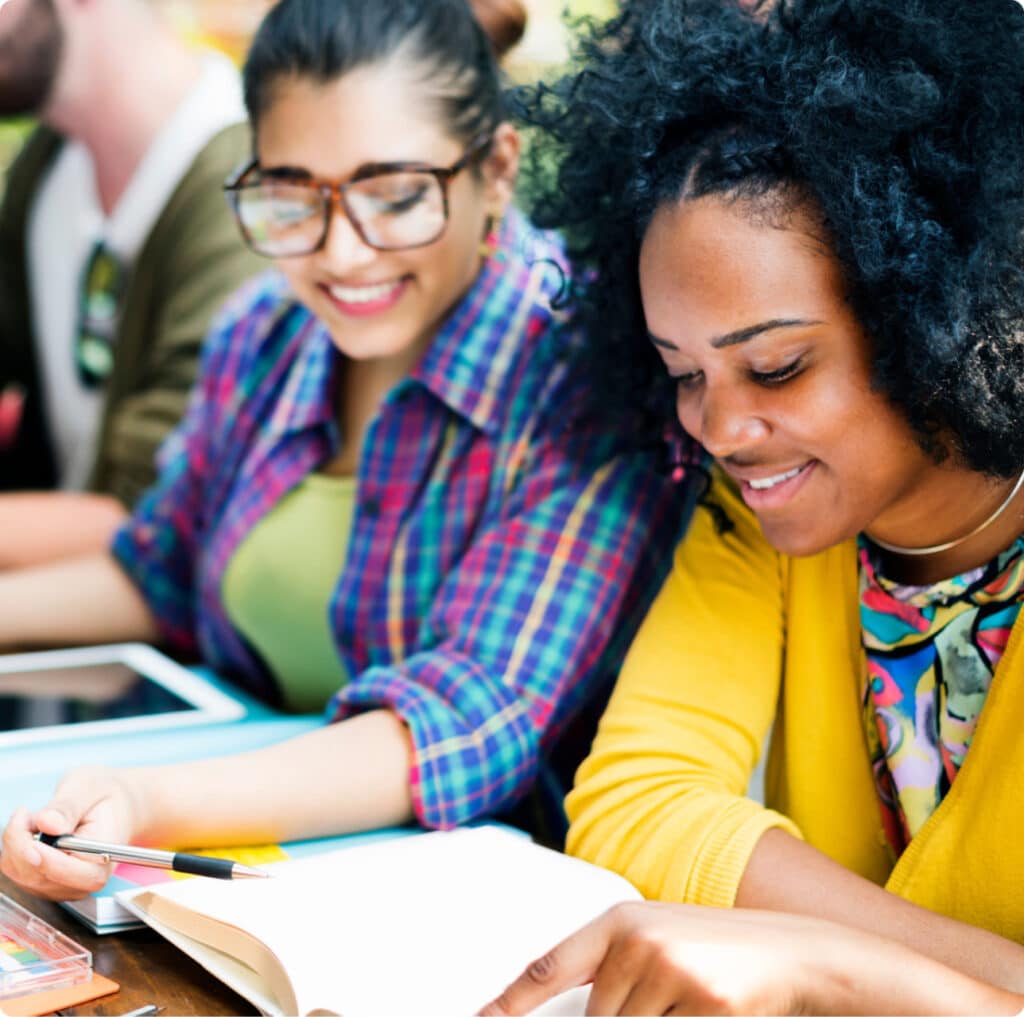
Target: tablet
{"points": [[100, 691]]}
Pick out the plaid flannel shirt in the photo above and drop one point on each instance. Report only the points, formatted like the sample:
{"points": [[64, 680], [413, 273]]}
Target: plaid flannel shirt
{"points": [[501, 551]]}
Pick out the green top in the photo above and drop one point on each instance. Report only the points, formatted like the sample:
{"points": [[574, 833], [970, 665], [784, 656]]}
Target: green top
{"points": [[279, 583]]}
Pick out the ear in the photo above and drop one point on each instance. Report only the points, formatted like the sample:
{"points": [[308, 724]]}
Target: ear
{"points": [[501, 168]]}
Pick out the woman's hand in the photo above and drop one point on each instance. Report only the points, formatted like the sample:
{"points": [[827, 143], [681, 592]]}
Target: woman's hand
{"points": [[93, 802], [654, 958]]}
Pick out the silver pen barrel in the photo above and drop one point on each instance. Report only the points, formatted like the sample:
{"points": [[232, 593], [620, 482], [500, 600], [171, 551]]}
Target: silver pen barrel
{"points": [[152, 857]]}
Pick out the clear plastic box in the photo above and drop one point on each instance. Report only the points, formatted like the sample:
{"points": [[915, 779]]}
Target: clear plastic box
{"points": [[34, 955]]}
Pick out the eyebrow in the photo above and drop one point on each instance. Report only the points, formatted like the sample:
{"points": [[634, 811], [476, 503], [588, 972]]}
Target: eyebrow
{"points": [[285, 172], [742, 335], [362, 171]]}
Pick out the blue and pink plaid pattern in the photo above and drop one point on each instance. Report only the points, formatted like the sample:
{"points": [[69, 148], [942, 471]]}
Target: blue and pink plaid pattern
{"points": [[501, 551]]}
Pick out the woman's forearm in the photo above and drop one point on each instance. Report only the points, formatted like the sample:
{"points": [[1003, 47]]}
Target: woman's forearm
{"points": [[785, 874], [341, 778], [36, 528], [880, 977], [79, 601]]}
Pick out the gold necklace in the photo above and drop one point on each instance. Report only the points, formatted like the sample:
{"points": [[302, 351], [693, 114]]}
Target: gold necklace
{"points": [[936, 548]]}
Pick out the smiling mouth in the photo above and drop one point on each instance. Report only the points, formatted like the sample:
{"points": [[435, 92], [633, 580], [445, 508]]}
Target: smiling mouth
{"points": [[363, 294], [361, 301], [780, 478], [770, 494]]}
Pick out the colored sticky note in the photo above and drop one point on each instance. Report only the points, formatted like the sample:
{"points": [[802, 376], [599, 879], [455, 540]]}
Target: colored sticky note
{"points": [[257, 854], [49, 1000], [139, 875]]}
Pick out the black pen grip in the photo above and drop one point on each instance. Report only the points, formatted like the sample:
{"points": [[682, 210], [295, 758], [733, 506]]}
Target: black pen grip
{"points": [[197, 865], [50, 839]]}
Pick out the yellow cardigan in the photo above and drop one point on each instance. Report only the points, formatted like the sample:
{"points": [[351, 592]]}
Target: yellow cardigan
{"points": [[741, 638]]}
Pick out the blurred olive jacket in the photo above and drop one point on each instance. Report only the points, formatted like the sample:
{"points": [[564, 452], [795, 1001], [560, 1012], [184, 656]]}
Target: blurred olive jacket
{"points": [[741, 638], [190, 263]]}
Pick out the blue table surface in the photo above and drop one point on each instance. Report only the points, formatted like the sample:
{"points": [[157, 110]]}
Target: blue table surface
{"points": [[29, 774]]}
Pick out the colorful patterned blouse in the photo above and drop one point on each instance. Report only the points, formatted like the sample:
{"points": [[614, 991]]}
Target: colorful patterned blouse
{"points": [[502, 552], [931, 655]]}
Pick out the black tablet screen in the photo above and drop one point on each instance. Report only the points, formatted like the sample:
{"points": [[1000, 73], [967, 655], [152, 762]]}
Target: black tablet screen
{"points": [[75, 695]]}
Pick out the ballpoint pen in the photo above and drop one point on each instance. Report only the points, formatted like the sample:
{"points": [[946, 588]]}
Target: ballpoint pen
{"points": [[194, 865]]}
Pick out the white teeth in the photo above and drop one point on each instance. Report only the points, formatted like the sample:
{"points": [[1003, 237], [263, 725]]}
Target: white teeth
{"points": [[361, 294], [763, 485]]}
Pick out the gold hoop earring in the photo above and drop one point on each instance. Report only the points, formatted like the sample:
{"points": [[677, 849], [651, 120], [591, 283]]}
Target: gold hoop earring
{"points": [[490, 246]]}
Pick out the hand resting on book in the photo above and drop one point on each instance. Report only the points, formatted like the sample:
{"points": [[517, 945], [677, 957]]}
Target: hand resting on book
{"points": [[652, 957]]}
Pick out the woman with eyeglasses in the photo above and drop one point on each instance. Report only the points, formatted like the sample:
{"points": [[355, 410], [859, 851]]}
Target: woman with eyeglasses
{"points": [[386, 484], [821, 205]]}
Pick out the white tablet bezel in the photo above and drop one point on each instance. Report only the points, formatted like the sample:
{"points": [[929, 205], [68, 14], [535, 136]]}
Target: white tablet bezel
{"points": [[211, 705]]}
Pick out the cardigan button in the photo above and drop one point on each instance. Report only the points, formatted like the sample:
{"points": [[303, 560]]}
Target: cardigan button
{"points": [[371, 507]]}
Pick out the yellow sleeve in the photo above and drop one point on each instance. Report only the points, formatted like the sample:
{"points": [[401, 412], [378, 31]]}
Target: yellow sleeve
{"points": [[661, 798]]}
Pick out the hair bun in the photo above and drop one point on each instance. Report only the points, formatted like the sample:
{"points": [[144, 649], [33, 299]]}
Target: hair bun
{"points": [[503, 21]]}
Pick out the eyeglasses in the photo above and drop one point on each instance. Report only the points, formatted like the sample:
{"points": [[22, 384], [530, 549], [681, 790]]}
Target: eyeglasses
{"points": [[98, 309], [392, 206]]}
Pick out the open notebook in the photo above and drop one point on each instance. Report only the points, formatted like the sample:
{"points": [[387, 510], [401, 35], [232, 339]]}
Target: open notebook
{"points": [[432, 924]]}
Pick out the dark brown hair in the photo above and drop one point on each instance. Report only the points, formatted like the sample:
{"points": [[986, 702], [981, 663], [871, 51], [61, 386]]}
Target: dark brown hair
{"points": [[446, 40], [503, 22]]}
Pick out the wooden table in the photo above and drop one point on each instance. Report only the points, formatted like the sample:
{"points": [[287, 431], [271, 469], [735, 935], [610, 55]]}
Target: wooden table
{"points": [[147, 967]]}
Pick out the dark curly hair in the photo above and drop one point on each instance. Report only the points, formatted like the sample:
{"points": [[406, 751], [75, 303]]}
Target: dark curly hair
{"points": [[903, 123]]}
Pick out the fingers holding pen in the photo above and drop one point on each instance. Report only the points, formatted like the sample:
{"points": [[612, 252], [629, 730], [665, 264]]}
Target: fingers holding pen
{"points": [[90, 801], [46, 871]]}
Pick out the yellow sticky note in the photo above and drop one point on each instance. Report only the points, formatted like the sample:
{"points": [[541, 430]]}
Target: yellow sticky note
{"points": [[252, 854]]}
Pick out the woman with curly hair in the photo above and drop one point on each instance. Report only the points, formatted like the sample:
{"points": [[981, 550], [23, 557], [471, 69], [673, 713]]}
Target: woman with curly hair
{"points": [[805, 225]]}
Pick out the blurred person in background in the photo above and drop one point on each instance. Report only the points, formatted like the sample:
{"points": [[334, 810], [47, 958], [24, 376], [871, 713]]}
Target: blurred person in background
{"points": [[116, 249]]}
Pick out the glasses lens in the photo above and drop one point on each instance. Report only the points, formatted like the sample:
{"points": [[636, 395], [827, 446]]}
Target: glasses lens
{"points": [[397, 210], [281, 219]]}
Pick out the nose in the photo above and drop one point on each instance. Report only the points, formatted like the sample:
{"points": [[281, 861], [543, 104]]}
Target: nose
{"points": [[726, 423], [344, 249]]}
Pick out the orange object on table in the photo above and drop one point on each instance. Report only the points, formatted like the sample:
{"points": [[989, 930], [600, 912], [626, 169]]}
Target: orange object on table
{"points": [[34, 1004]]}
